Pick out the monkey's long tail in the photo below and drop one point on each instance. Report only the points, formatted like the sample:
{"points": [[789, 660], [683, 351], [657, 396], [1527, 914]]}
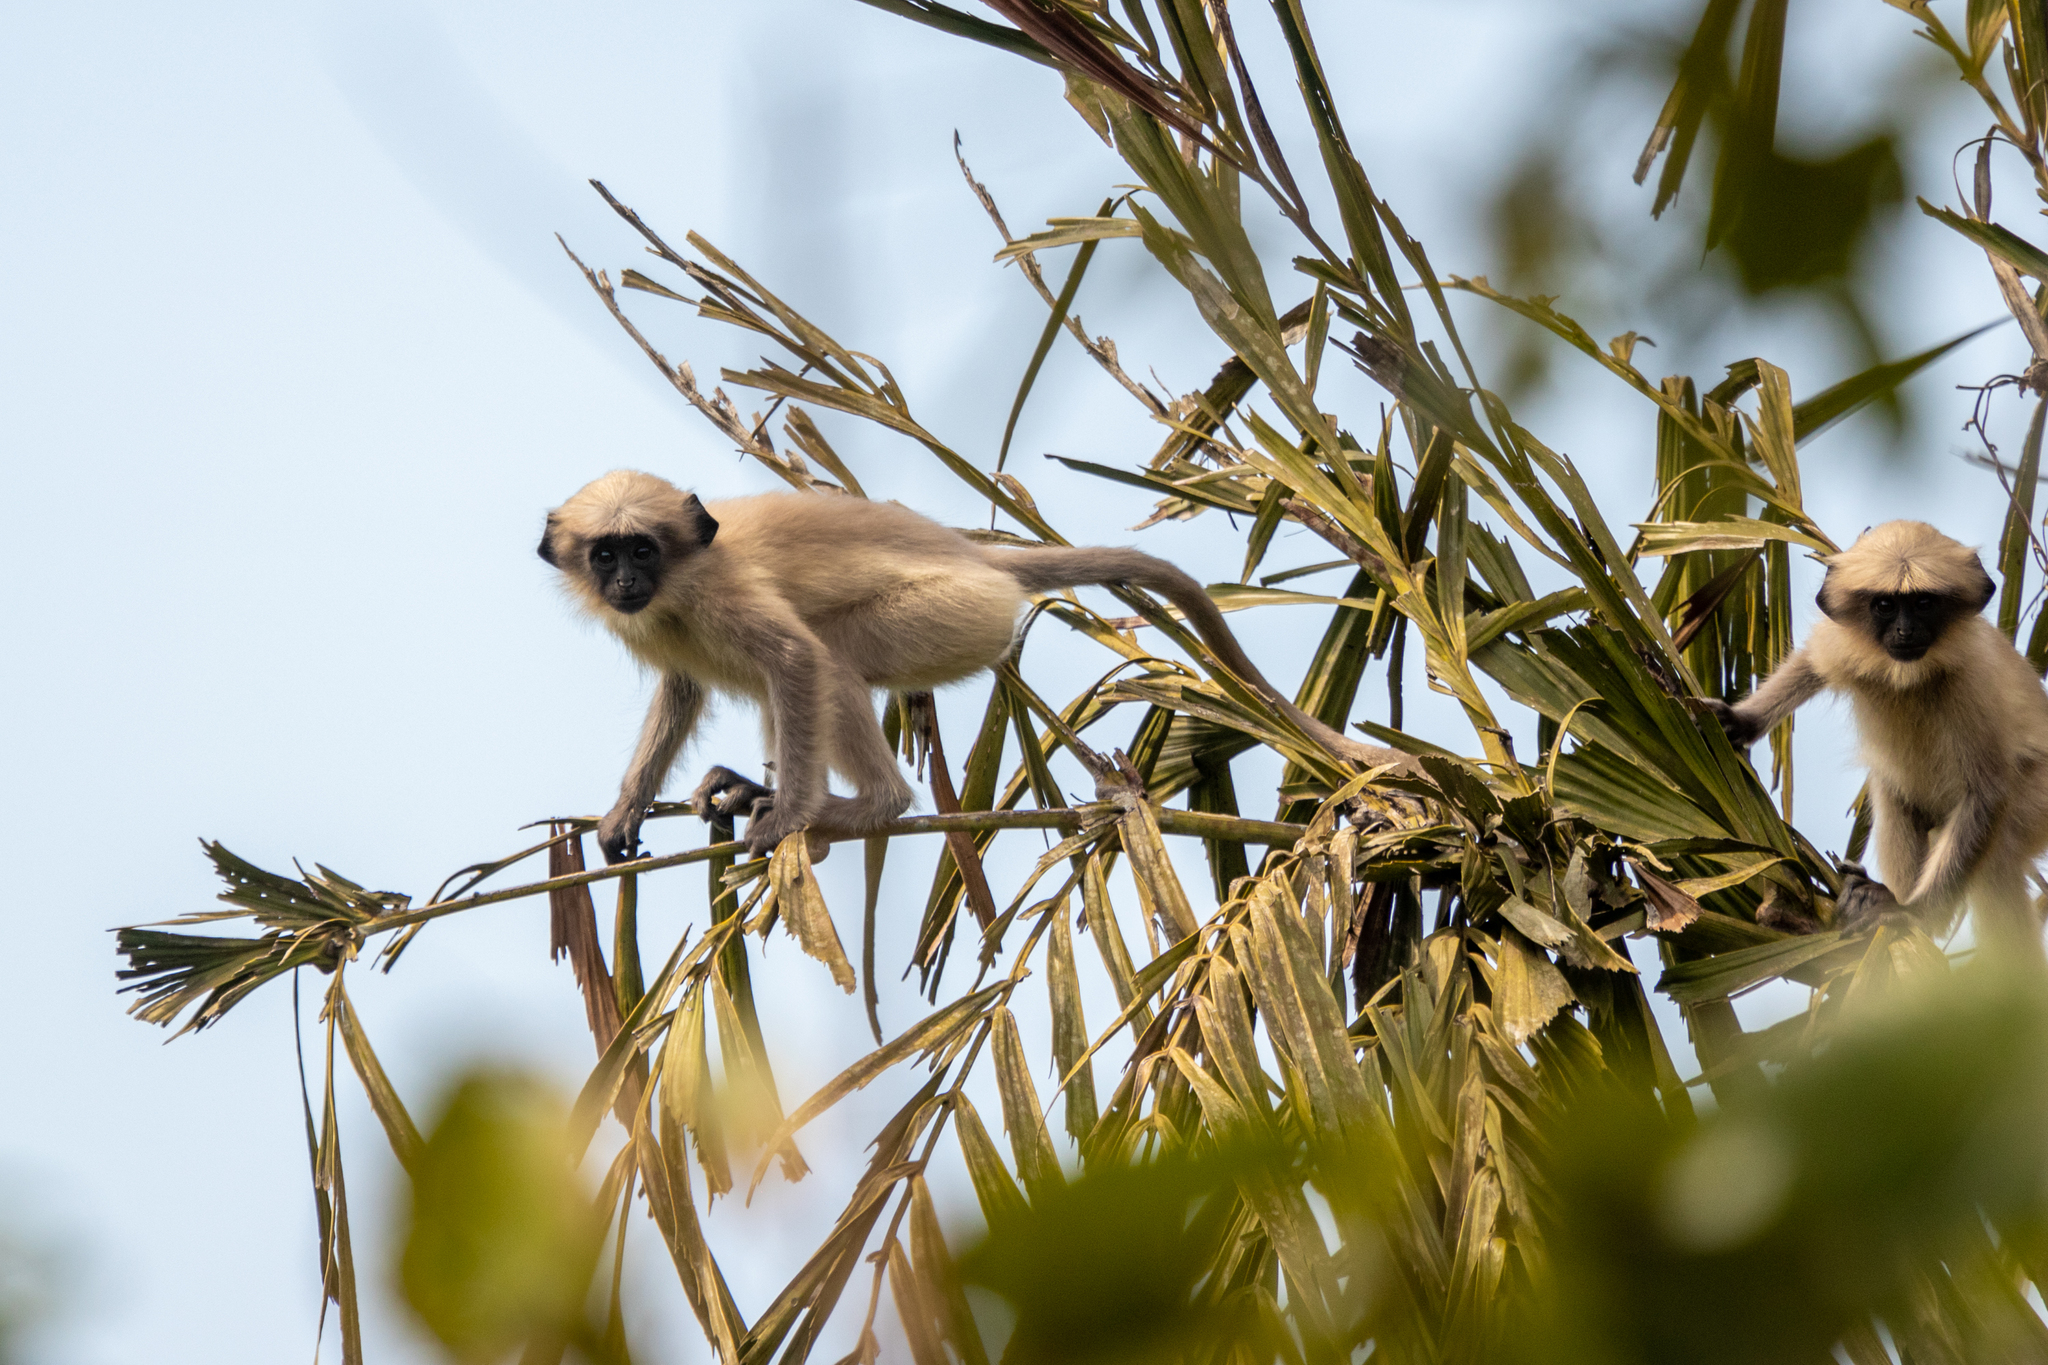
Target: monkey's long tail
{"points": [[1051, 568]]}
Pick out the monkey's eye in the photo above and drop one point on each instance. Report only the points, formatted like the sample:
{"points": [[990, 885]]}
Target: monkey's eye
{"points": [[1884, 606], [1921, 602], [644, 553], [604, 559]]}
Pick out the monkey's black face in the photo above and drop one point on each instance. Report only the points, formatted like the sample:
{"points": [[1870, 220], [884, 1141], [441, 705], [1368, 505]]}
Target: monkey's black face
{"points": [[627, 570], [1908, 624]]}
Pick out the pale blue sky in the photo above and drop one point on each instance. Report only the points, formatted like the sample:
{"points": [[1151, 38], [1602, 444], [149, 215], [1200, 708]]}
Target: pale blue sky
{"points": [[290, 368]]}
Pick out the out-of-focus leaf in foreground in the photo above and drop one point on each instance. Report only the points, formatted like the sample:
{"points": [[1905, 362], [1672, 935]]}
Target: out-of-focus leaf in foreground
{"points": [[502, 1242], [1108, 1267], [1894, 1175]]}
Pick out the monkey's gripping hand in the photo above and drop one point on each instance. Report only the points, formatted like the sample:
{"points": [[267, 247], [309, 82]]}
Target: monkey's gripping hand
{"points": [[1741, 731], [1862, 901], [618, 834], [724, 793]]}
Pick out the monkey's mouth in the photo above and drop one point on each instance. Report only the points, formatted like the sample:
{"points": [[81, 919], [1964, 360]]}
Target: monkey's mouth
{"points": [[1908, 653], [631, 606]]}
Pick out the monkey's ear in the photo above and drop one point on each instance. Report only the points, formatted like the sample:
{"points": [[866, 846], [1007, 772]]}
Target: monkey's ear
{"points": [[547, 545], [705, 525], [1983, 586], [1820, 599]]}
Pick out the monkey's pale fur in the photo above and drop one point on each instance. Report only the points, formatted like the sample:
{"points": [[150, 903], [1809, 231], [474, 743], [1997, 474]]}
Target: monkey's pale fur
{"points": [[1956, 740], [806, 604]]}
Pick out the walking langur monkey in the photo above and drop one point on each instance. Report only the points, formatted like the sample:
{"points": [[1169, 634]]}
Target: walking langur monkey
{"points": [[1954, 725], [806, 604]]}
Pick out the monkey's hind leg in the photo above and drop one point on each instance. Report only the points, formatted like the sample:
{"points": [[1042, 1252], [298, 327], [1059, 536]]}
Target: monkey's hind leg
{"points": [[726, 793], [861, 754], [850, 734], [2007, 920]]}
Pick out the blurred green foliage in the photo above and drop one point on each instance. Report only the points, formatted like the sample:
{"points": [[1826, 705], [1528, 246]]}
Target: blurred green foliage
{"points": [[1802, 223], [1897, 1175], [502, 1240], [1106, 1268]]}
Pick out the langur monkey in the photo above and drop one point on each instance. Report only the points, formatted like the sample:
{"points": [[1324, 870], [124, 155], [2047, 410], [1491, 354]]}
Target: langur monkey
{"points": [[806, 604], [1954, 725]]}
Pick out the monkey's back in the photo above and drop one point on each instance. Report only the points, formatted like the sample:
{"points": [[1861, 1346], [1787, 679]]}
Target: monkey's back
{"points": [[911, 604]]}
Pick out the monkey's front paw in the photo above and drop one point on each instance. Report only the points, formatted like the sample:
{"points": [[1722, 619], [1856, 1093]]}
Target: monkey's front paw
{"points": [[725, 793], [1779, 911], [1740, 732], [618, 835], [1862, 902], [1378, 809]]}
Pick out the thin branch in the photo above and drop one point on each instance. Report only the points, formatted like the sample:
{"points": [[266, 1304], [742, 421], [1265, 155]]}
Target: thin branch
{"points": [[924, 716], [1193, 824], [1314, 518], [1101, 348], [720, 414]]}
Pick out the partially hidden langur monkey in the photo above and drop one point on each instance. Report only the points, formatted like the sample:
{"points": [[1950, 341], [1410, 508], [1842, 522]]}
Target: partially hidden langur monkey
{"points": [[1954, 727], [805, 604]]}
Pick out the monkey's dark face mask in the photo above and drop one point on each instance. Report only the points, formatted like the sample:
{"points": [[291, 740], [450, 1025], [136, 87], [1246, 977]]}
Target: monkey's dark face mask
{"points": [[626, 570], [1908, 624]]}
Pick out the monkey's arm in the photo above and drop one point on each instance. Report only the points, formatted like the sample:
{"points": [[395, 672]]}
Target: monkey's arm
{"points": [[678, 701], [796, 666], [1958, 847], [1789, 687]]}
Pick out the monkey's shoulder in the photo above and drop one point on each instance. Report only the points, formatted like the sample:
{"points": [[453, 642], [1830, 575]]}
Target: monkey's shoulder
{"points": [[2010, 688], [1843, 658]]}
